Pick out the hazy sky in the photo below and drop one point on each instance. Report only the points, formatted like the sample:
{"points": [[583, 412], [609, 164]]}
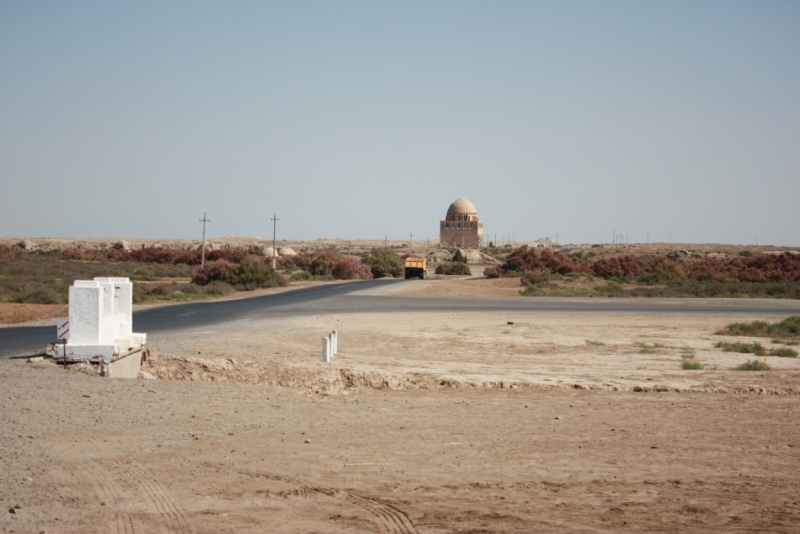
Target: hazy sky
{"points": [[362, 119]]}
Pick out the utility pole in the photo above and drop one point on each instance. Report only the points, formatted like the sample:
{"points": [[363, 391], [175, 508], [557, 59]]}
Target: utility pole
{"points": [[274, 240], [411, 241], [386, 241], [203, 248]]}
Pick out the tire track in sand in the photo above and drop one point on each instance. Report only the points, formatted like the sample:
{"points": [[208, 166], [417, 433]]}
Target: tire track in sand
{"points": [[122, 520], [171, 511], [390, 520]]}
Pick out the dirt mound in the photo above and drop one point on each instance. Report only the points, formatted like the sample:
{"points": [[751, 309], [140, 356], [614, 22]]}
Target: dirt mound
{"points": [[315, 380], [340, 381]]}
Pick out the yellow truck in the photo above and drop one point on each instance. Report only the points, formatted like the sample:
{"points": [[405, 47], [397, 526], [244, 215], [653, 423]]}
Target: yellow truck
{"points": [[416, 267]]}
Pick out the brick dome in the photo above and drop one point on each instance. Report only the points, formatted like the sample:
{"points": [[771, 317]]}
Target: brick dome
{"points": [[462, 206]]}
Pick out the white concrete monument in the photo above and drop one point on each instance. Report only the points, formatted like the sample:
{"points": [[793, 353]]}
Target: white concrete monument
{"points": [[100, 326]]}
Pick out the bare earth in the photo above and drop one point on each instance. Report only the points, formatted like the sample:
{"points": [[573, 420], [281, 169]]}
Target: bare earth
{"points": [[427, 423]]}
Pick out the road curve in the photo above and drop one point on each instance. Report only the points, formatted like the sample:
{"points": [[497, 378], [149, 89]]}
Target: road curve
{"points": [[345, 298]]}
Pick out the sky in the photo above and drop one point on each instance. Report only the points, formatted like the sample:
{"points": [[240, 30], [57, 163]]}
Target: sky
{"points": [[659, 121]]}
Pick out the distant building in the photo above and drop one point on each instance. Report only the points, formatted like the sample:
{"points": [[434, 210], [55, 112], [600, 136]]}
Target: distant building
{"points": [[461, 226]]}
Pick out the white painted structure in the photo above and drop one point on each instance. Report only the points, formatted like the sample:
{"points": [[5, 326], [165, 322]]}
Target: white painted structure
{"points": [[330, 346], [327, 349], [100, 326]]}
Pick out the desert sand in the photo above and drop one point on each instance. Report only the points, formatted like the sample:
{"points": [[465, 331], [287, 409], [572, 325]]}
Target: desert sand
{"points": [[423, 423]]}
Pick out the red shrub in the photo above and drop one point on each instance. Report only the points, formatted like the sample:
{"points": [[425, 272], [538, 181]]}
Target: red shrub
{"points": [[536, 259], [351, 268], [323, 261], [211, 272], [82, 255], [618, 267], [223, 254], [493, 272], [317, 262], [767, 268], [344, 270]]}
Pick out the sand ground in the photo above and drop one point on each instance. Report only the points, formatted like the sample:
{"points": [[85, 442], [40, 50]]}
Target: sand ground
{"points": [[423, 423]]}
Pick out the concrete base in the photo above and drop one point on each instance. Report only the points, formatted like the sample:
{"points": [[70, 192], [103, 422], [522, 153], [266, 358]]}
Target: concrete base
{"points": [[108, 357], [94, 353], [83, 353], [127, 366]]}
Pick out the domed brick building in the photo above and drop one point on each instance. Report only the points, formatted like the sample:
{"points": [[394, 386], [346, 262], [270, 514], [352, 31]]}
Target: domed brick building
{"points": [[461, 226]]}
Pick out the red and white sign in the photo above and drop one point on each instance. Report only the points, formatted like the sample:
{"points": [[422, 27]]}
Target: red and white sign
{"points": [[62, 328]]}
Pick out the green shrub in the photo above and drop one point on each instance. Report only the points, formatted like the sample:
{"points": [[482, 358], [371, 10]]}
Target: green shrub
{"points": [[611, 289], [712, 289], [178, 292], [42, 295], [191, 289], [644, 348], [594, 343], [552, 290], [533, 278], [785, 353], [691, 365], [26, 273], [789, 327], [301, 275], [383, 262], [742, 348], [159, 290], [754, 365], [454, 268], [218, 288], [461, 269]]}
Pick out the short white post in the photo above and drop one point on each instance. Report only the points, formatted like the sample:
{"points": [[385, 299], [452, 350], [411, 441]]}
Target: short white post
{"points": [[326, 349], [335, 335]]}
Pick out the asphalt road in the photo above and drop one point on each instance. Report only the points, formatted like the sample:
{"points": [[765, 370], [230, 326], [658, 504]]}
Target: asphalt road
{"points": [[345, 298]]}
